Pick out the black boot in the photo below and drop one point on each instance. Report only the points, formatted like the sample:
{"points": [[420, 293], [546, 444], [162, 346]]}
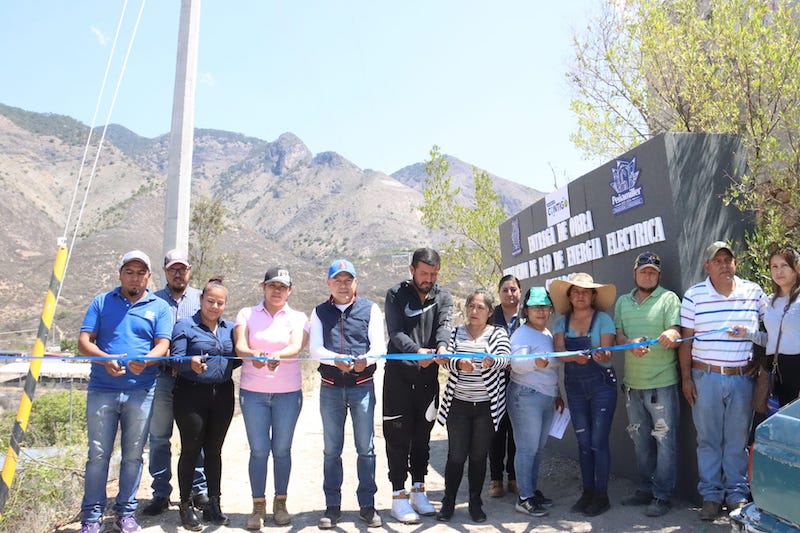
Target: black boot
{"points": [[189, 517], [212, 512], [583, 501], [448, 507], [598, 505], [476, 507]]}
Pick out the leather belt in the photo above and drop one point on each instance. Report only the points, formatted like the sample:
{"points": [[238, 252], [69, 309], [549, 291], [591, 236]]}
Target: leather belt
{"points": [[724, 370]]}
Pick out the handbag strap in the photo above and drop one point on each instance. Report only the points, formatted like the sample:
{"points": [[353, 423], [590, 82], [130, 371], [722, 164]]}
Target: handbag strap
{"points": [[778, 343]]}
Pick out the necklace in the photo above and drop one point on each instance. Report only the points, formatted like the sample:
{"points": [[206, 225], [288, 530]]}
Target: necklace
{"points": [[475, 337]]}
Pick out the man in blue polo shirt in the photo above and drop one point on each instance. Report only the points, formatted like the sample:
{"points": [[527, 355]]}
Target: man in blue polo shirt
{"points": [[121, 325]]}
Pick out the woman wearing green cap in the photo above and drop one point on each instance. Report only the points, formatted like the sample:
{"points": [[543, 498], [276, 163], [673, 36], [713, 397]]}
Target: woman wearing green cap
{"points": [[532, 392]]}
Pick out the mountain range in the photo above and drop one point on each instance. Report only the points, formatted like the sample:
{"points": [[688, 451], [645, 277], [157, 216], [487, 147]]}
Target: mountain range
{"points": [[285, 205]]}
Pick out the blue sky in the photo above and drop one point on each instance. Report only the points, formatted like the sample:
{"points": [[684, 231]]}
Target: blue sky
{"points": [[378, 82]]}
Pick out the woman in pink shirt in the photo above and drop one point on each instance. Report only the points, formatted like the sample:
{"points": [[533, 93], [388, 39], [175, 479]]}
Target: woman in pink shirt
{"points": [[270, 392]]}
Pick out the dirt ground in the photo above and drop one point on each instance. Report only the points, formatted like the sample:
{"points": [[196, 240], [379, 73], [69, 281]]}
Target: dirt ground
{"points": [[559, 480]]}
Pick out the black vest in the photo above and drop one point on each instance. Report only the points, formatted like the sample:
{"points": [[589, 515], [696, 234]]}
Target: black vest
{"points": [[345, 332]]}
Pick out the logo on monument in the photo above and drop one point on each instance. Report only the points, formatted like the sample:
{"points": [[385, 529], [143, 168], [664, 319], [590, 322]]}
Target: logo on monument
{"points": [[516, 241], [624, 178], [557, 205]]}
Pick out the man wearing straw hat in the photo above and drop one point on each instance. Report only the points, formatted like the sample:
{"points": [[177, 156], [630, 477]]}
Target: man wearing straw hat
{"points": [[715, 378], [650, 311]]}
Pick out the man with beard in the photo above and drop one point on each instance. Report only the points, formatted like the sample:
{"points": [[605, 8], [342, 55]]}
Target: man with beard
{"points": [[184, 302], [715, 377], [126, 329], [651, 382], [418, 316]]}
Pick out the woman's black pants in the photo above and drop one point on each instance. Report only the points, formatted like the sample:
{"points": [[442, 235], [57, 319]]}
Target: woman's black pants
{"points": [[203, 412]]}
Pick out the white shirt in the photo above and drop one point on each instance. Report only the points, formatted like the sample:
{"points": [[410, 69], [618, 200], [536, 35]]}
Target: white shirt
{"points": [[377, 340]]}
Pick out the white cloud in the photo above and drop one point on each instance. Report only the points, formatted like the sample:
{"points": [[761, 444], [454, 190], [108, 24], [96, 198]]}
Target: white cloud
{"points": [[206, 78], [99, 34]]}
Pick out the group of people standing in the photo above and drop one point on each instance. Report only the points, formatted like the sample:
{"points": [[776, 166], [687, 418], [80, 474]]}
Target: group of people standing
{"points": [[128, 331], [499, 400]]}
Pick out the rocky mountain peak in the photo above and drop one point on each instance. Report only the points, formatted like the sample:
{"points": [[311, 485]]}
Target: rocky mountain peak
{"points": [[331, 159], [287, 153]]}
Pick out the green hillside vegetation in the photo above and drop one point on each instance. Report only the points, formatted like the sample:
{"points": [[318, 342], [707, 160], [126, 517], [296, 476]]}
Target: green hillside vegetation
{"points": [[63, 127]]}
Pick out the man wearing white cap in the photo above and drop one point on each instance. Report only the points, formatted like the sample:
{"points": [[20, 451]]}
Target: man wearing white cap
{"points": [[184, 302], [715, 377], [129, 328]]}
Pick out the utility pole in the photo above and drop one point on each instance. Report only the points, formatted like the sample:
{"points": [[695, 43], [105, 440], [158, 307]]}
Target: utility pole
{"points": [[181, 137]]}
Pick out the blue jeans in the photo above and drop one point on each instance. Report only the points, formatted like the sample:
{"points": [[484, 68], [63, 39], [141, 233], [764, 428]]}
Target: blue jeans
{"points": [[721, 415], [653, 418], [591, 403], [160, 457], [334, 403], [531, 414], [105, 412], [270, 420]]}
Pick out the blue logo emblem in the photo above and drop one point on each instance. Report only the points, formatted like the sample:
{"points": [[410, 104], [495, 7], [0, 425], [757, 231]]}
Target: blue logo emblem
{"points": [[624, 178]]}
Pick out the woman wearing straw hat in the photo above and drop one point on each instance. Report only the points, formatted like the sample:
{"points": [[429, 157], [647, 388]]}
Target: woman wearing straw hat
{"points": [[590, 381]]}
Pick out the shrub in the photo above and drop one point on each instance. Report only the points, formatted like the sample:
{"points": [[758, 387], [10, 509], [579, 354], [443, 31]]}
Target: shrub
{"points": [[47, 491]]}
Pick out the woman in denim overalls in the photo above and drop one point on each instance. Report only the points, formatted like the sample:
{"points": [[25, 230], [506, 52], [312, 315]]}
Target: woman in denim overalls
{"points": [[590, 381]]}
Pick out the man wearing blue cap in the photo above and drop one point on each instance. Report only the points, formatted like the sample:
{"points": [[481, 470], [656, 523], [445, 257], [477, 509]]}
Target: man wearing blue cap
{"points": [[346, 335], [121, 325], [650, 311]]}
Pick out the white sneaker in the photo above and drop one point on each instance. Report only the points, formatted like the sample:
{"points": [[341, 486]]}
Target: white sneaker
{"points": [[419, 501], [401, 509]]}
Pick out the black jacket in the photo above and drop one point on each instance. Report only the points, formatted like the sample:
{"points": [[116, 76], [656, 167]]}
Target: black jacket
{"points": [[413, 324]]}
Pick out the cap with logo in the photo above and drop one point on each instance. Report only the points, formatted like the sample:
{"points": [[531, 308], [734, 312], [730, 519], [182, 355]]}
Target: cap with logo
{"points": [[278, 274], [176, 256], [341, 265], [647, 259], [715, 247], [135, 255]]}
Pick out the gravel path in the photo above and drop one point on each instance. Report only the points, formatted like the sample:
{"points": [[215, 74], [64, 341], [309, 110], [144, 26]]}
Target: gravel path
{"points": [[559, 480]]}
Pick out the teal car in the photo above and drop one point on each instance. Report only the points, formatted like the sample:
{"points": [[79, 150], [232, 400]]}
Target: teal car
{"points": [[776, 477]]}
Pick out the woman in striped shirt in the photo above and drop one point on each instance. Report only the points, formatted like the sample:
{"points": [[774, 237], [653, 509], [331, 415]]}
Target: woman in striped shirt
{"points": [[474, 401]]}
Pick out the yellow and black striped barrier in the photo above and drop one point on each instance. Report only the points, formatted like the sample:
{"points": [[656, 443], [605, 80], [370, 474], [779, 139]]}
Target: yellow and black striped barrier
{"points": [[24, 411]]}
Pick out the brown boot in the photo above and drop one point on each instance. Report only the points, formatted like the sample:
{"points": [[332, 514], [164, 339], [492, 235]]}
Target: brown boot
{"points": [[279, 512], [496, 489], [256, 520], [512, 486]]}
